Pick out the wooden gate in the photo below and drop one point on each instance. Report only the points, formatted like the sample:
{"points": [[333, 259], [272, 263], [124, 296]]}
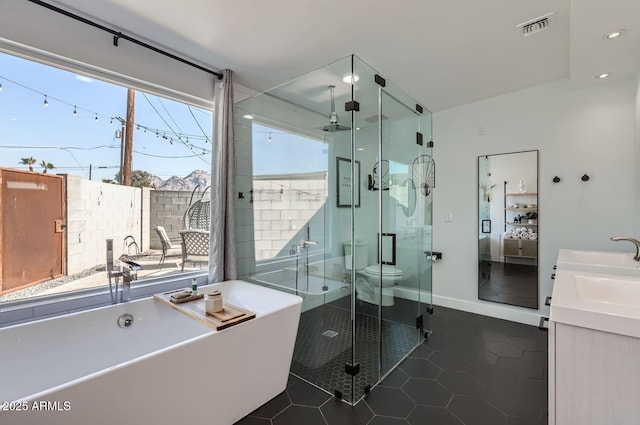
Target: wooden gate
{"points": [[32, 223]]}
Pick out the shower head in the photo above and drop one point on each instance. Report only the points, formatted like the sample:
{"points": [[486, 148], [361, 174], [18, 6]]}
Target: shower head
{"points": [[333, 116], [331, 128]]}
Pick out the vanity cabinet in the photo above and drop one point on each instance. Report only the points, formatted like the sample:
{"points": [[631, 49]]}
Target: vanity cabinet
{"points": [[594, 376], [520, 248]]}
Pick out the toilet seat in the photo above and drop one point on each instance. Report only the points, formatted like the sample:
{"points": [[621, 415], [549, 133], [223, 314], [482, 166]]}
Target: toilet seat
{"points": [[387, 270]]}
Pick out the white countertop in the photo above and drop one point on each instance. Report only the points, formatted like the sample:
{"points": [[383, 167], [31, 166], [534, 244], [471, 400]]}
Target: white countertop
{"points": [[601, 301]]}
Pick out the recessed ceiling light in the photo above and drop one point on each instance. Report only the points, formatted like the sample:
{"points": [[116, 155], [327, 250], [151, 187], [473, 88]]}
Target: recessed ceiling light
{"points": [[603, 75], [350, 79], [613, 34], [247, 117]]}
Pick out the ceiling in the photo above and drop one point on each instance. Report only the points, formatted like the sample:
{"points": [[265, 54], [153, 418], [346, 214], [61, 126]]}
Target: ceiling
{"points": [[443, 53]]}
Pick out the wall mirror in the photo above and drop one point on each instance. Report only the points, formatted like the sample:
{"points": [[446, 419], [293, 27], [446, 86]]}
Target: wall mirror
{"points": [[508, 228]]}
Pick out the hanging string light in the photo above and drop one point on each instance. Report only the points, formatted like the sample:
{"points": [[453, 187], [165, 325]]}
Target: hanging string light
{"points": [[177, 136], [269, 137]]}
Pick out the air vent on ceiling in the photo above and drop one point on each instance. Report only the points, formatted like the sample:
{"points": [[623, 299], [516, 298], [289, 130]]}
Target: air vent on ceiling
{"points": [[535, 25]]}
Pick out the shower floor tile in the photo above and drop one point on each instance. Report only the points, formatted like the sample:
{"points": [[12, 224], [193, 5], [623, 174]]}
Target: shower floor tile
{"points": [[323, 348], [449, 379]]}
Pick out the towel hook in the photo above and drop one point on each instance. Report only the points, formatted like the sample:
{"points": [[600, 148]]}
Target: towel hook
{"points": [[585, 178], [556, 179]]}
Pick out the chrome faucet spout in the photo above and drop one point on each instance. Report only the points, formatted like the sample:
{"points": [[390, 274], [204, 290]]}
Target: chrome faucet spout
{"points": [[633, 241]]}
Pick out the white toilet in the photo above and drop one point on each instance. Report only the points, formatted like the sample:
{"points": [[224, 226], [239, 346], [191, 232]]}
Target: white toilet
{"points": [[368, 277]]}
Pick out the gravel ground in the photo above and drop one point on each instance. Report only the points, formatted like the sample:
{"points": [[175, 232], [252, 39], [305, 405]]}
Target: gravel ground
{"points": [[39, 288]]}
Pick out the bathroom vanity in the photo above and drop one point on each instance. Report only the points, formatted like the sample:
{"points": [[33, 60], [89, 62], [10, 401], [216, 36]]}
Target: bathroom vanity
{"points": [[594, 339]]}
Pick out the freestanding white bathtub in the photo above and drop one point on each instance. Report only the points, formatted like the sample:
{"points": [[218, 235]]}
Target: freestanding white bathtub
{"points": [[166, 368]]}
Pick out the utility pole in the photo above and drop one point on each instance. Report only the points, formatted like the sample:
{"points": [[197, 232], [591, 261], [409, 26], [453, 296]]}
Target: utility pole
{"points": [[128, 138], [120, 135]]}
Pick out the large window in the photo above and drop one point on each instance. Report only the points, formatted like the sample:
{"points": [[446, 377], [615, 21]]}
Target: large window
{"points": [[63, 154], [290, 190]]}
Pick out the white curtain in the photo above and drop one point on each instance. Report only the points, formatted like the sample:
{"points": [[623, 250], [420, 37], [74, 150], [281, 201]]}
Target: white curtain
{"points": [[223, 258]]}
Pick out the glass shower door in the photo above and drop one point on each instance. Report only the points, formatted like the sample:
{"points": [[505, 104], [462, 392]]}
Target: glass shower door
{"points": [[401, 231]]}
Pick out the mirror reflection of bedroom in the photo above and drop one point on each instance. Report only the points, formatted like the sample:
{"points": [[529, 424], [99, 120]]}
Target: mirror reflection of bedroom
{"points": [[508, 228]]}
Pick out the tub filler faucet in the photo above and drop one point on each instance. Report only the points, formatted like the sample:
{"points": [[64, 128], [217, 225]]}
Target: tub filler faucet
{"points": [[633, 241], [129, 273]]}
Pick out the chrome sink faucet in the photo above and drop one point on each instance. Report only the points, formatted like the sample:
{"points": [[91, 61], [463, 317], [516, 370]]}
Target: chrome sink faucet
{"points": [[633, 241]]}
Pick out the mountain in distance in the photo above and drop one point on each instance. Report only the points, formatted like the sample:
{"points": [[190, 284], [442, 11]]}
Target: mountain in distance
{"points": [[189, 182]]}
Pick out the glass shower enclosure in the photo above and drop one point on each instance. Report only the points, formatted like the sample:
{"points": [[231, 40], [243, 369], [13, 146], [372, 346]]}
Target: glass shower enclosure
{"points": [[335, 179]]}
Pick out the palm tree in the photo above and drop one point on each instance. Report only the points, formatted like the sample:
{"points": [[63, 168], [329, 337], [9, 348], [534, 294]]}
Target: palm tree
{"points": [[28, 161], [46, 166]]}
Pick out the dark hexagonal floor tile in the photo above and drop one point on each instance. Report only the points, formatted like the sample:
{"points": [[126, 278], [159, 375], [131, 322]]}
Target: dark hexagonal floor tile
{"points": [[396, 379], [461, 383], [492, 375], [502, 349], [305, 394], [449, 361], [443, 342], [250, 420], [513, 403], [531, 342], [423, 351], [521, 367], [420, 368], [380, 420], [475, 411], [426, 391], [422, 415], [339, 413], [295, 415], [538, 357], [273, 406], [387, 401], [515, 420]]}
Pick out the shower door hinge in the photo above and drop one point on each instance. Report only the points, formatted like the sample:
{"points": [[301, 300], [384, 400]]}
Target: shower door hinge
{"points": [[419, 108], [338, 394], [352, 105], [430, 310], [419, 322], [352, 369], [430, 144], [419, 138], [381, 81]]}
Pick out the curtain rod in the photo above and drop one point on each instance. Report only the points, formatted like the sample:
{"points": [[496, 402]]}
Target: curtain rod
{"points": [[118, 35]]}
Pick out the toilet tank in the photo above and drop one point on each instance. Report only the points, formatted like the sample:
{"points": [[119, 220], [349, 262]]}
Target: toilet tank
{"points": [[362, 255]]}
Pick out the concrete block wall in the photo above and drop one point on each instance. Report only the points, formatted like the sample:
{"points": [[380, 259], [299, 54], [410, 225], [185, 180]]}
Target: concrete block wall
{"points": [[99, 211], [283, 206], [167, 208]]}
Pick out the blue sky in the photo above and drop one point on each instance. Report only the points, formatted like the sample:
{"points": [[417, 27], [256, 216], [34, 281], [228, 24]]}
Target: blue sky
{"points": [[72, 142]]}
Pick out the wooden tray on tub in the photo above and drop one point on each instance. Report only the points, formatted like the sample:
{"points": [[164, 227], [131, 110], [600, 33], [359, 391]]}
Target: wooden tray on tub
{"points": [[229, 316]]}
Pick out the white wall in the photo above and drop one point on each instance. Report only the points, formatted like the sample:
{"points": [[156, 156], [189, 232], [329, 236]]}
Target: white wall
{"points": [[588, 131]]}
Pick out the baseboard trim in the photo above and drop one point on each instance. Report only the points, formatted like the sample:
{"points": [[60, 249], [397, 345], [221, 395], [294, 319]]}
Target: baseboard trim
{"points": [[512, 313]]}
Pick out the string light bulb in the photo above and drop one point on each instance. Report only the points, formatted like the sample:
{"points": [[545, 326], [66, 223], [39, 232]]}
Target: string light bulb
{"points": [[270, 138], [96, 116], [0, 87], [75, 111], [111, 121], [46, 102]]}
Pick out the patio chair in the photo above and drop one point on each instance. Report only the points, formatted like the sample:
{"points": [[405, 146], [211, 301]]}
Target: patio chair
{"points": [[197, 215], [195, 243], [166, 243]]}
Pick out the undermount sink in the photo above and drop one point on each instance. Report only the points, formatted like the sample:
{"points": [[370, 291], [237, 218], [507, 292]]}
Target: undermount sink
{"points": [[598, 262]]}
